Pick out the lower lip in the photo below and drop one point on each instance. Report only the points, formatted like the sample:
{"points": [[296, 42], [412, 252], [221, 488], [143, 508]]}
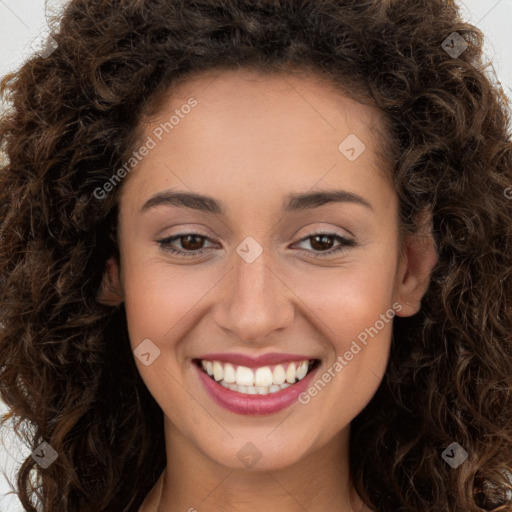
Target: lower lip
{"points": [[241, 403]]}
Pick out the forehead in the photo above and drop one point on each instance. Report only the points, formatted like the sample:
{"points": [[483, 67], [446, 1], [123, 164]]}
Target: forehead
{"points": [[250, 91], [270, 128]]}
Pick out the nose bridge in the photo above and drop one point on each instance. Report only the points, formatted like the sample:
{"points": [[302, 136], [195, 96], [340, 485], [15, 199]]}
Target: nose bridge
{"points": [[255, 302]]}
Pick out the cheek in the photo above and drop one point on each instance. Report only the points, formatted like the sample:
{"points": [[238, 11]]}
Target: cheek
{"points": [[353, 311], [348, 299], [162, 305], [159, 299]]}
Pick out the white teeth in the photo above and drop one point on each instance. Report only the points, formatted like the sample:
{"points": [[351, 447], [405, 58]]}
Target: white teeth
{"points": [[263, 377], [254, 390], [217, 371], [278, 375], [290, 374], [244, 376], [302, 370], [260, 381], [229, 373]]}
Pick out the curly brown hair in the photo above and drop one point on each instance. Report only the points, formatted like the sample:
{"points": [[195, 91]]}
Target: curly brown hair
{"points": [[66, 366]]}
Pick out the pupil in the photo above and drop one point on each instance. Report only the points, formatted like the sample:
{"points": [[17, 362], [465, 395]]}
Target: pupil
{"points": [[324, 244], [195, 246]]}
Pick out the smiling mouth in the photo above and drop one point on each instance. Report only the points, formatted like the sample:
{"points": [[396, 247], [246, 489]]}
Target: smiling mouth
{"points": [[263, 380]]}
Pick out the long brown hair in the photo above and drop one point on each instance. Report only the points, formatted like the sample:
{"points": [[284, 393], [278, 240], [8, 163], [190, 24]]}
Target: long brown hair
{"points": [[66, 367]]}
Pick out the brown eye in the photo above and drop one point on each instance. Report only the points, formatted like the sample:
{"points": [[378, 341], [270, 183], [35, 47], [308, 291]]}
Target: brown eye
{"points": [[322, 244], [192, 244]]}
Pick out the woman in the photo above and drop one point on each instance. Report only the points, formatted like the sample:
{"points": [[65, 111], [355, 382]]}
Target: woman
{"points": [[257, 255]]}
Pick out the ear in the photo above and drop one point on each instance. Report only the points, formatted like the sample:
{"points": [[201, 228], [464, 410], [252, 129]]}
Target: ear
{"points": [[111, 293], [418, 258]]}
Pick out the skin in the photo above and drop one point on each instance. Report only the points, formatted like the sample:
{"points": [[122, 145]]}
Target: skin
{"points": [[252, 140]]}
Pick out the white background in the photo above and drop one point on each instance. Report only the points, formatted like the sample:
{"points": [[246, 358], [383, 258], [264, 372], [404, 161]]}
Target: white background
{"points": [[22, 21]]}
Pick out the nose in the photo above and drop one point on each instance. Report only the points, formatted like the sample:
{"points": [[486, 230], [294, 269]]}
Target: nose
{"points": [[255, 300]]}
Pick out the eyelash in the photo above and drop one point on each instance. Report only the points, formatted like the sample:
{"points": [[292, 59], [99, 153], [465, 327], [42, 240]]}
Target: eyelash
{"points": [[346, 243]]}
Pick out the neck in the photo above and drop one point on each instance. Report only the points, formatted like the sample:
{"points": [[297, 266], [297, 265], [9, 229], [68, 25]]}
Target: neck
{"points": [[194, 482]]}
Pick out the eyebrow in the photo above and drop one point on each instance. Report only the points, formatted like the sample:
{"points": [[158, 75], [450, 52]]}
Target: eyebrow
{"points": [[293, 203]]}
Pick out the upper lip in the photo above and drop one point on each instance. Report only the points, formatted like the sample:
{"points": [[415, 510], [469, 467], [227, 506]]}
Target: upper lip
{"points": [[254, 362]]}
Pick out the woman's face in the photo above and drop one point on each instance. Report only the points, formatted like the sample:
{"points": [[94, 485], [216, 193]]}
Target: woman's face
{"points": [[264, 273]]}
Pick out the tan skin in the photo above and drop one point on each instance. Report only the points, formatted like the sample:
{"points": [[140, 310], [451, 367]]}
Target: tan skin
{"points": [[250, 142]]}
